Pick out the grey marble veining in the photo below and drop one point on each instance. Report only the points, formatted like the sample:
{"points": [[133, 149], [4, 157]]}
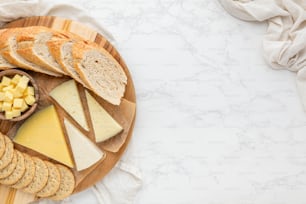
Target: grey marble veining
{"points": [[215, 124]]}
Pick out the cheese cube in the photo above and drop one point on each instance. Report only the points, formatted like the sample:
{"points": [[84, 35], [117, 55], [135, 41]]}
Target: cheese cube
{"points": [[1, 106], [8, 96], [6, 106], [30, 100], [16, 93], [29, 91], [18, 102], [16, 112], [21, 86], [24, 107], [16, 79], [6, 81], [2, 95], [8, 88], [24, 79], [8, 114]]}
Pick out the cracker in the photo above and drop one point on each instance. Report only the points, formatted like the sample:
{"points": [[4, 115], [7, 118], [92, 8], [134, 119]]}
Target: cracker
{"points": [[40, 178], [29, 173], [2, 145], [67, 183], [8, 153], [53, 183], [18, 171], [8, 170]]}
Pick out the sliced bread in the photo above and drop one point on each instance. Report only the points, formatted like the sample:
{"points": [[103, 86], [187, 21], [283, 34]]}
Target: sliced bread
{"points": [[100, 71], [33, 47], [8, 50], [4, 64], [61, 50]]}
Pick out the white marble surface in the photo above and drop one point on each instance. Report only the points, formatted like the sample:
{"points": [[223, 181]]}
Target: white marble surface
{"points": [[215, 124]]}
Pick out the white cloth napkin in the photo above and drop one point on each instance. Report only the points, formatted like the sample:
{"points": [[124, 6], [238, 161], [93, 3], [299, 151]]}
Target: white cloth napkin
{"points": [[121, 185], [284, 44]]}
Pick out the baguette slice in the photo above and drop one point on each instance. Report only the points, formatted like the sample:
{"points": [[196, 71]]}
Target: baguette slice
{"points": [[61, 50], [33, 47], [4, 64], [8, 50], [99, 71]]}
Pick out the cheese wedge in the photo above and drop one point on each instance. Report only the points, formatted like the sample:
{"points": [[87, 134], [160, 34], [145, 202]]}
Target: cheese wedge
{"points": [[104, 125], [85, 153], [42, 132], [68, 97]]}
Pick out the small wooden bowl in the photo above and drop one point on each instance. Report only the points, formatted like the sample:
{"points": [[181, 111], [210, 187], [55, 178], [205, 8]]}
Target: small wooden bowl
{"points": [[10, 73]]}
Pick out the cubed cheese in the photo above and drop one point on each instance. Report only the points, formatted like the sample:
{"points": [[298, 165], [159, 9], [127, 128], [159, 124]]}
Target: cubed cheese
{"points": [[24, 107], [18, 102], [16, 93], [16, 79], [8, 88], [8, 96], [9, 114], [29, 91], [6, 106], [16, 112], [30, 100], [5, 81], [24, 79], [21, 86], [1, 105], [2, 95]]}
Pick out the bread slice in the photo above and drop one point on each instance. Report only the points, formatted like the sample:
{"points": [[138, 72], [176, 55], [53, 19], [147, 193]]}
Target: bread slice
{"points": [[4, 64], [99, 71], [61, 50], [33, 47], [8, 50]]}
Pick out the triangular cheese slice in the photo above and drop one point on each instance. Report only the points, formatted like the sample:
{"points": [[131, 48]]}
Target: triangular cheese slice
{"points": [[67, 95], [104, 125], [85, 153], [42, 132]]}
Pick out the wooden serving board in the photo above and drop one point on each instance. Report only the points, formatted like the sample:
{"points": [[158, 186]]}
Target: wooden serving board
{"points": [[124, 113]]}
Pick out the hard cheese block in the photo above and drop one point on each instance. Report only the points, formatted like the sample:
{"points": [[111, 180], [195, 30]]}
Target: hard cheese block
{"points": [[104, 125], [42, 132], [68, 97], [85, 153]]}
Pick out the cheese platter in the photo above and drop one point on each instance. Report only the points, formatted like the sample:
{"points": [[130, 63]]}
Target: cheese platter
{"points": [[83, 118]]}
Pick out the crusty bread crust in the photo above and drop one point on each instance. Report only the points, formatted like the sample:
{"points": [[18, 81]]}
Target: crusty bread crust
{"points": [[9, 53], [32, 47]]}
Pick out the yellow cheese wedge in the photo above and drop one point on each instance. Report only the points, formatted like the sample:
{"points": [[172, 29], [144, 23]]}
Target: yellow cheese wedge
{"points": [[85, 152], [42, 132], [67, 96], [104, 125]]}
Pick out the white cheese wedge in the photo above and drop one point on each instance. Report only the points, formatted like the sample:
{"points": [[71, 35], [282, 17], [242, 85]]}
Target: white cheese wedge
{"points": [[68, 97], [104, 125], [85, 153]]}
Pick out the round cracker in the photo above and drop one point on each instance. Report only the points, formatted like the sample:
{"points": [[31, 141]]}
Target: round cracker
{"points": [[2, 145], [40, 179], [53, 183], [8, 153], [18, 171], [29, 173], [67, 183], [8, 170]]}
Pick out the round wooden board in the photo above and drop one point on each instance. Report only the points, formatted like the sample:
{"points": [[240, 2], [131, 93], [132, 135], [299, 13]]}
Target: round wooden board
{"points": [[127, 108]]}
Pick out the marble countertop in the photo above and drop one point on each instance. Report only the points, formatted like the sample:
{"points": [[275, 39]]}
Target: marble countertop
{"points": [[215, 124]]}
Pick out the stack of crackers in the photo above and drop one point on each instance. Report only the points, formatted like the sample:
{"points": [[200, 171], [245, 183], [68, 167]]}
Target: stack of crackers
{"points": [[32, 174]]}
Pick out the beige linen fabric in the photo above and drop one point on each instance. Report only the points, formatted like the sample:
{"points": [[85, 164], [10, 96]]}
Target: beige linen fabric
{"points": [[284, 44]]}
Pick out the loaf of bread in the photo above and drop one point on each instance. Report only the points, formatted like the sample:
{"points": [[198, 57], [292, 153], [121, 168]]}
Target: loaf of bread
{"points": [[8, 47], [59, 53]]}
